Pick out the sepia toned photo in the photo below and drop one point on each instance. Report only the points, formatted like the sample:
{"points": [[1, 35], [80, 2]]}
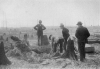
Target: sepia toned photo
{"points": [[49, 34]]}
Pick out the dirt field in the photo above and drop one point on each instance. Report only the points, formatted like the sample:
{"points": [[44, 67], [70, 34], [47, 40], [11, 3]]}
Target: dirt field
{"points": [[92, 60]]}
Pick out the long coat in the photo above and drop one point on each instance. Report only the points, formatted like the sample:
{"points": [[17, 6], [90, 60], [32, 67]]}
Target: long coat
{"points": [[82, 34], [65, 33]]}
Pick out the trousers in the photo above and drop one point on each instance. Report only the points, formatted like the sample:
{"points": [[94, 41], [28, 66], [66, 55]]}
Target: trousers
{"points": [[60, 44], [81, 48], [40, 39]]}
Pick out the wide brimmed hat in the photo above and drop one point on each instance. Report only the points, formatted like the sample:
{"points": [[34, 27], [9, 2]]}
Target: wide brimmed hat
{"points": [[61, 25], [79, 23]]}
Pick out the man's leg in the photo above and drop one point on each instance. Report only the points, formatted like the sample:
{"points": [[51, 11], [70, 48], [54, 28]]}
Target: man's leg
{"points": [[81, 47], [41, 39], [65, 43], [83, 50], [55, 48], [61, 45], [38, 40]]}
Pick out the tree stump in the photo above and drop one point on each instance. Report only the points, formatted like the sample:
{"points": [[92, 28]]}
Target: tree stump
{"points": [[3, 59], [45, 40]]}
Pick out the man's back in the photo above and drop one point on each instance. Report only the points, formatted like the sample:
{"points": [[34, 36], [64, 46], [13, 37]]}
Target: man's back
{"points": [[82, 33], [65, 32]]}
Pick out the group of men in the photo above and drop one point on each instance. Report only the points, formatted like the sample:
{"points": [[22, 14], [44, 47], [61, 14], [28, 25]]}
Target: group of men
{"points": [[81, 34]]}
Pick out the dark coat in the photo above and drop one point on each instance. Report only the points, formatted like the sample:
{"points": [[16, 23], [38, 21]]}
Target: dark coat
{"points": [[39, 28], [65, 33], [82, 34]]}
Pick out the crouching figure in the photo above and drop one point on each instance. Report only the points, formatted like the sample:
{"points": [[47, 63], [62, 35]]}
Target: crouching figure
{"points": [[57, 44]]}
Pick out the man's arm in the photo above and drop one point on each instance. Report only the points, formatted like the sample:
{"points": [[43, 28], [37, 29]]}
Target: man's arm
{"points": [[87, 33], [36, 27], [77, 34], [43, 27], [67, 32], [28, 43]]}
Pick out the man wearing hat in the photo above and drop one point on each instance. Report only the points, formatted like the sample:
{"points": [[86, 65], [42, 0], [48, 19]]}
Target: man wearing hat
{"points": [[65, 33], [40, 27], [82, 34]]}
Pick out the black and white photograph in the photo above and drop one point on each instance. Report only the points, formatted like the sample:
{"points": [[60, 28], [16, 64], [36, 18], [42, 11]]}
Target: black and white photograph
{"points": [[49, 34]]}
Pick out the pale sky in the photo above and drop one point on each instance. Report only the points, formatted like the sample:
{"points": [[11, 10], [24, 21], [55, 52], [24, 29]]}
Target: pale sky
{"points": [[26, 13]]}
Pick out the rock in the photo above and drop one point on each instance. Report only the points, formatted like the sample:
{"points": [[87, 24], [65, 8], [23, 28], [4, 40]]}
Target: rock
{"points": [[45, 40], [37, 51], [91, 41], [56, 54], [89, 49], [45, 62], [15, 38]]}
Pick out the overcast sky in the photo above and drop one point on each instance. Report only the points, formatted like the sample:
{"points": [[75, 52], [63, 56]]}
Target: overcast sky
{"points": [[26, 13]]}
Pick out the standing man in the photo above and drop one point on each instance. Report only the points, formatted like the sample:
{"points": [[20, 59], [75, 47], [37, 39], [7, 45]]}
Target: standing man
{"points": [[40, 27], [65, 33], [82, 34]]}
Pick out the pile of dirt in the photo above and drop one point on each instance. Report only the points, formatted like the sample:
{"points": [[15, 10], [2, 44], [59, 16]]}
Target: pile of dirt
{"points": [[44, 49], [35, 55]]}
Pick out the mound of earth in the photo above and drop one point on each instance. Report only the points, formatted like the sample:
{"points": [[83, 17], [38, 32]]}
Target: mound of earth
{"points": [[92, 62]]}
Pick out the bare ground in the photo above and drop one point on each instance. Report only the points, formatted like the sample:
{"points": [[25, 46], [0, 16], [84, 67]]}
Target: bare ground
{"points": [[92, 60]]}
